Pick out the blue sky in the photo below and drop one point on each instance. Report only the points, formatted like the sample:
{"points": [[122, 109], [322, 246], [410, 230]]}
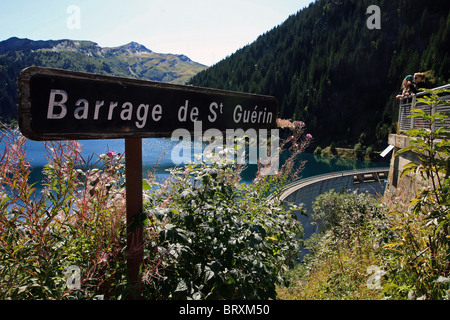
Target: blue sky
{"points": [[205, 30]]}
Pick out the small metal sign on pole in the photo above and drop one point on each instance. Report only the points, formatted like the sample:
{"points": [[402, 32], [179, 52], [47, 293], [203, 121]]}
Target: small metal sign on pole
{"points": [[57, 104]]}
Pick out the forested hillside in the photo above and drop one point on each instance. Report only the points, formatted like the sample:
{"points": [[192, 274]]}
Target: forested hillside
{"points": [[327, 68], [132, 60]]}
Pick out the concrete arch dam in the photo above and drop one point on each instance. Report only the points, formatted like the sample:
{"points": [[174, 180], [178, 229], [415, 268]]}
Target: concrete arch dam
{"points": [[305, 191]]}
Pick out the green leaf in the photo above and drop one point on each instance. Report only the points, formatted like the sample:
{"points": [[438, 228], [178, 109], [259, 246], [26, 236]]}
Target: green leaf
{"points": [[393, 244], [422, 100], [145, 185], [419, 143], [406, 149], [416, 113], [169, 226], [181, 286], [414, 202], [209, 274], [409, 168], [22, 289], [442, 279]]}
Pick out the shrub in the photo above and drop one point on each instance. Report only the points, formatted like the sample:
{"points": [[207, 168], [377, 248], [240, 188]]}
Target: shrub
{"points": [[75, 222], [359, 150], [341, 252], [370, 152], [419, 259], [224, 240], [333, 148], [346, 216], [318, 151]]}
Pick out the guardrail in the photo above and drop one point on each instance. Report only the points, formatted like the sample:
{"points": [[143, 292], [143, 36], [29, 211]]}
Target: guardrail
{"points": [[407, 105], [359, 176]]}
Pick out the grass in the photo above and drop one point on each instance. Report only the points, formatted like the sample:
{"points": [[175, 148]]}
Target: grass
{"points": [[342, 257], [333, 276]]}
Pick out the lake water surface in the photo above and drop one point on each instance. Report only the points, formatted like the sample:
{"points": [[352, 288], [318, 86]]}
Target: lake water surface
{"points": [[160, 148]]}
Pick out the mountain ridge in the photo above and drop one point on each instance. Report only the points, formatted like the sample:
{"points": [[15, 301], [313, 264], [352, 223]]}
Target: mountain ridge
{"points": [[131, 60]]}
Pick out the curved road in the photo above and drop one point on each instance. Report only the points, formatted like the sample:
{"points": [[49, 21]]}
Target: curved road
{"points": [[364, 175]]}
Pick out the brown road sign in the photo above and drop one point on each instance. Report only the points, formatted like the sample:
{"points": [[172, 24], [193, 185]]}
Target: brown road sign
{"points": [[58, 104]]}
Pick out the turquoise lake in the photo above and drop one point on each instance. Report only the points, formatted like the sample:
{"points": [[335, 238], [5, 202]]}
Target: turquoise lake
{"points": [[160, 148]]}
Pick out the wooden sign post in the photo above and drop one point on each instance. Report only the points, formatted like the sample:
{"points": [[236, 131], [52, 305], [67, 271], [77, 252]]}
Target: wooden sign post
{"points": [[57, 104], [133, 174]]}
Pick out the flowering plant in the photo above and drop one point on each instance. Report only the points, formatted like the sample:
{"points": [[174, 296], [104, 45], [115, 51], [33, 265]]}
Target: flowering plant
{"points": [[221, 239], [76, 219]]}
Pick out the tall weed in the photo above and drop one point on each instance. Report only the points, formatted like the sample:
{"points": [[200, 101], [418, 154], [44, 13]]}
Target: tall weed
{"points": [[76, 220]]}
